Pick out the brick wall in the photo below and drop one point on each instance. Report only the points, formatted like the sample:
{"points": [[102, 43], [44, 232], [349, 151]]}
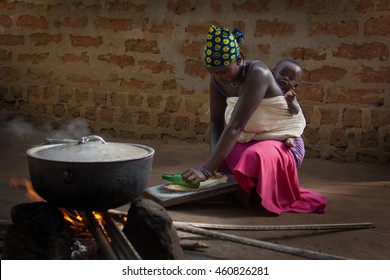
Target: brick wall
{"points": [[133, 69]]}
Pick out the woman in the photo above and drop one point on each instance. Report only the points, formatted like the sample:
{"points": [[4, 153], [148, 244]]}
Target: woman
{"points": [[266, 165]]}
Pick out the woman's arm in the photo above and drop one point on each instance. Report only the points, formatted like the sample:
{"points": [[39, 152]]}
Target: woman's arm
{"points": [[217, 114]]}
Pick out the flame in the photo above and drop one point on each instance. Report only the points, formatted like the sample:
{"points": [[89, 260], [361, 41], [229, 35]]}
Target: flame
{"points": [[73, 217], [16, 182]]}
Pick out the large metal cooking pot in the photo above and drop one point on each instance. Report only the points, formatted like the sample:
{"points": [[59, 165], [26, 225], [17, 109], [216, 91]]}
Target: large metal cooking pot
{"points": [[89, 174]]}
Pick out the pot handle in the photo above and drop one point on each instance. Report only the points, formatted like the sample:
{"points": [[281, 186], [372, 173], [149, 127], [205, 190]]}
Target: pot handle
{"points": [[89, 138]]}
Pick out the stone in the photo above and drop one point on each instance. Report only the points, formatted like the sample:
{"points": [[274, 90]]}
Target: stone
{"points": [[150, 230]]}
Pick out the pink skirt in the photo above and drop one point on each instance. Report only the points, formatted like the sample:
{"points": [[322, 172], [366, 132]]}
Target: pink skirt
{"points": [[269, 167]]}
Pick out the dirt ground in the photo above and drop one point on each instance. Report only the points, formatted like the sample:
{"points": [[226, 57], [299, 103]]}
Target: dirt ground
{"points": [[356, 193]]}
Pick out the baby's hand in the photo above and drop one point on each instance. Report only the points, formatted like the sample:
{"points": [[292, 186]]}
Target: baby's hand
{"points": [[290, 95], [289, 142]]}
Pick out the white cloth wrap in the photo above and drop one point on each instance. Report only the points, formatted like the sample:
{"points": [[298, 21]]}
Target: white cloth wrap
{"points": [[271, 121]]}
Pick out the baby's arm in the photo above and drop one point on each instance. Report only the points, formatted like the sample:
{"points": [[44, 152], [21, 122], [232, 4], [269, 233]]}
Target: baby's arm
{"points": [[292, 102]]}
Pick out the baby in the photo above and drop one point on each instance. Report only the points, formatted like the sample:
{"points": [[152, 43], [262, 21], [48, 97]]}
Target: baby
{"points": [[287, 74]]}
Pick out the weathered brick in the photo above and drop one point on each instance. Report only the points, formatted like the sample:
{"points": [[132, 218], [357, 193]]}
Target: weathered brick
{"points": [[338, 138], [5, 55], [142, 46], [273, 28], [369, 139], [121, 60], [123, 134], [135, 100], [17, 90], [11, 40], [304, 54], [378, 75], [329, 73], [365, 51], [156, 67], [8, 74], [386, 141], [340, 29], [307, 111], [27, 21], [143, 118], [182, 124], [196, 29], [75, 112], [49, 94], [118, 99], [114, 23], [252, 7], [366, 6], [5, 21], [99, 97], [81, 95], [180, 7], [193, 106], [264, 48], [315, 7], [86, 80], [90, 113], [10, 5], [173, 104], [125, 116], [200, 128], [154, 101], [352, 117], [377, 26], [72, 22], [107, 115], [356, 96], [59, 110], [195, 68], [86, 41], [71, 57], [65, 94], [120, 6], [312, 135], [136, 85], [329, 115], [42, 39], [35, 58], [165, 26], [33, 92], [164, 120], [192, 49], [308, 92], [380, 117], [169, 85]]}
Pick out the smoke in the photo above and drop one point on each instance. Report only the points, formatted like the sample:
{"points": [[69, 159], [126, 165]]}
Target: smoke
{"points": [[19, 128], [73, 130]]}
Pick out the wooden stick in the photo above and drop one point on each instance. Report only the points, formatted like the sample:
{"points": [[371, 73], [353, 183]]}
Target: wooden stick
{"points": [[347, 226], [258, 243]]}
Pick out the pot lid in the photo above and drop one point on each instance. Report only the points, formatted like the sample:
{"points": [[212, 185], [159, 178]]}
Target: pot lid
{"points": [[88, 150]]}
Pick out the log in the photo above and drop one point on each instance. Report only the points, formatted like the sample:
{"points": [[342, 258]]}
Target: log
{"points": [[258, 243]]}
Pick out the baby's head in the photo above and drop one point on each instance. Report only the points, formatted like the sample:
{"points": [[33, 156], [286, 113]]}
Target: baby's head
{"points": [[288, 73]]}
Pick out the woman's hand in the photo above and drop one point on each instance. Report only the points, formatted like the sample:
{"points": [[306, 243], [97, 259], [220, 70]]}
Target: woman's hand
{"points": [[192, 176]]}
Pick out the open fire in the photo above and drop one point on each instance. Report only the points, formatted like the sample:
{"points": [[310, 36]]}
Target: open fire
{"points": [[44, 231]]}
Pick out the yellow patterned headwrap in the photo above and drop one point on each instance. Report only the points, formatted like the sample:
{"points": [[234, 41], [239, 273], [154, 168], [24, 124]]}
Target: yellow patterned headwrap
{"points": [[222, 46]]}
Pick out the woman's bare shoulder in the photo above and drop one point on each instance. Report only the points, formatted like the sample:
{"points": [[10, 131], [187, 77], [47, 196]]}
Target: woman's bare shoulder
{"points": [[258, 68]]}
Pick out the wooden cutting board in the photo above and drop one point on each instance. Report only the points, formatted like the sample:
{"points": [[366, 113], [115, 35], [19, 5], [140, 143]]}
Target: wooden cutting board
{"points": [[169, 198]]}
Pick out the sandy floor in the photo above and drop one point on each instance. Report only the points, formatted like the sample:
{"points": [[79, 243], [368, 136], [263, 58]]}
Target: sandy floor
{"points": [[356, 193]]}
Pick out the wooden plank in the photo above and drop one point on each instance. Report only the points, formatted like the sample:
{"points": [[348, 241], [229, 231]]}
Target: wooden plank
{"points": [[168, 198]]}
